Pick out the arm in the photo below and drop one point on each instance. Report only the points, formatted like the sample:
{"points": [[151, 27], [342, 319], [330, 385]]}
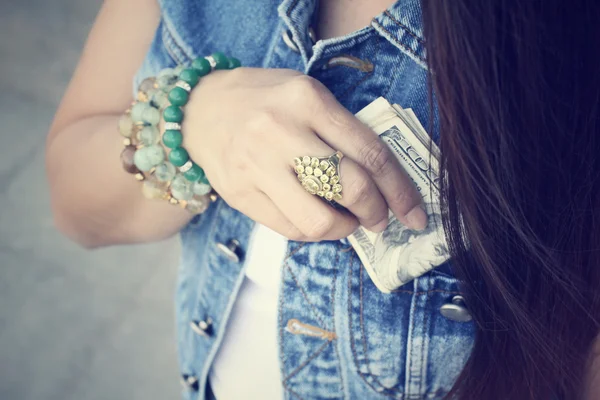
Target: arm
{"points": [[93, 200], [246, 148]]}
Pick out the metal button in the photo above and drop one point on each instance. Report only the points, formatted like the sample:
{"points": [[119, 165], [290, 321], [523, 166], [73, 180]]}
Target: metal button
{"points": [[456, 311], [312, 35], [230, 250], [287, 39], [202, 328], [189, 382]]}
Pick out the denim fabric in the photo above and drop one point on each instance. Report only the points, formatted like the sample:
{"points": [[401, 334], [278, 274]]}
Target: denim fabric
{"points": [[339, 337]]}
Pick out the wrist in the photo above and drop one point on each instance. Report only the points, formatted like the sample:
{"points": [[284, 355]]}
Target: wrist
{"points": [[165, 167]]}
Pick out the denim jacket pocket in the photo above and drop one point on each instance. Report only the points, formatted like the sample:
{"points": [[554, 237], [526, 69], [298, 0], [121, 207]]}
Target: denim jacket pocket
{"points": [[402, 346], [379, 352]]}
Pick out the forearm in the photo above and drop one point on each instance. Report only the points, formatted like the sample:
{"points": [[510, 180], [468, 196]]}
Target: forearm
{"points": [[95, 202]]}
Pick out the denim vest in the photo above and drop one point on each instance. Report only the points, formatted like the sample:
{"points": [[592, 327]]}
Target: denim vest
{"points": [[339, 337]]}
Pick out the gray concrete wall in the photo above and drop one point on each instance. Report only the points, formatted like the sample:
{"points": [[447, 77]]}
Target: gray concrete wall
{"points": [[73, 324]]}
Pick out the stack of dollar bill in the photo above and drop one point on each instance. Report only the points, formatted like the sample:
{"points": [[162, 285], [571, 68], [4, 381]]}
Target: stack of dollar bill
{"points": [[399, 254]]}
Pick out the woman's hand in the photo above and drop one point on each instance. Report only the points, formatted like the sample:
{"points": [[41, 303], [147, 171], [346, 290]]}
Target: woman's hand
{"points": [[245, 127]]}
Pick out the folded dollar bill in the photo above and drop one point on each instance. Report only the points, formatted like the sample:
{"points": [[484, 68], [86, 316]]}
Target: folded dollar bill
{"points": [[399, 254]]}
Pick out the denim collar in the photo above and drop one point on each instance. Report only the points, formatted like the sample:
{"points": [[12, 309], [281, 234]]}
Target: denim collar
{"points": [[401, 25]]}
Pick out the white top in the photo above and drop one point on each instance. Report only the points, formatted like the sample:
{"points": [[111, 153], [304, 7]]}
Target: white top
{"points": [[247, 364]]}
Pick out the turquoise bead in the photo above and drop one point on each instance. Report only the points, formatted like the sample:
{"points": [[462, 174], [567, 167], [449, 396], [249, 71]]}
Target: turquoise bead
{"points": [[137, 111], [149, 135], [190, 76], [194, 173], [159, 99], [181, 188], [178, 96], [166, 78], [172, 138], [147, 158], [200, 188], [202, 66], [221, 60], [141, 160], [151, 116], [165, 172], [173, 114], [156, 154], [234, 63], [178, 156]]}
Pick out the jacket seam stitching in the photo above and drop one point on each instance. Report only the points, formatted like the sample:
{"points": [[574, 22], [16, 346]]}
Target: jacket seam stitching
{"points": [[280, 322], [312, 307], [426, 291], [305, 363], [404, 27], [205, 256], [293, 393], [291, 7], [400, 44], [272, 45], [171, 46], [395, 75], [422, 349], [364, 339], [293, 252], [352, 341], [333, 287], [367, 75], [409, 362], [360, 81]]}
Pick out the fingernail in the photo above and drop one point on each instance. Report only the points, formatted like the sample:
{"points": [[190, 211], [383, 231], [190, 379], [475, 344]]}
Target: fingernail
{"points": [[416, 219]]}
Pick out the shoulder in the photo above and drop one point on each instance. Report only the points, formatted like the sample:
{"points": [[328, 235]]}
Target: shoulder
{"points": [[193, 28]]}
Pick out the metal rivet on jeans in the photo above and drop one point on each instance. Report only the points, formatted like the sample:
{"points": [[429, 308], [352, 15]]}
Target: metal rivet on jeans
{"points": [[230, 250], [456, 310], [202, 328], [287, 39]]}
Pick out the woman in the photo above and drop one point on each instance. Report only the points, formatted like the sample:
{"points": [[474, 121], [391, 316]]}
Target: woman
{"points": [[263, 317]]}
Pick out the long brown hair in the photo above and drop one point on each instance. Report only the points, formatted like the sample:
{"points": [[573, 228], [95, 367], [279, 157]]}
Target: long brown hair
{"points": [[517, 84]]}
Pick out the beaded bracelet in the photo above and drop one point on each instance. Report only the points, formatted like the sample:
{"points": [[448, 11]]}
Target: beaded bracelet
{"points": [[173, 114], [143, 155]]}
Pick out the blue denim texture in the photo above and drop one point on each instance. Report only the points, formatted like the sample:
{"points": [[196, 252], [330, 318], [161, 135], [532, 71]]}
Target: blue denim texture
{"points": [[383, 345]]}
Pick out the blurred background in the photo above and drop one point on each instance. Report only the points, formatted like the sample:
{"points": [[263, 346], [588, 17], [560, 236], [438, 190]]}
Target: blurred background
{"points": [[73, 324]]}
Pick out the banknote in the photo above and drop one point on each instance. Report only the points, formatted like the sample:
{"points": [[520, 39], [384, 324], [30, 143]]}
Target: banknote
{"points": [[399, 254]]}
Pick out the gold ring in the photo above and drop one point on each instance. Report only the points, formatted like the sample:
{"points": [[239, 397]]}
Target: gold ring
{"points": [[320, 175]]}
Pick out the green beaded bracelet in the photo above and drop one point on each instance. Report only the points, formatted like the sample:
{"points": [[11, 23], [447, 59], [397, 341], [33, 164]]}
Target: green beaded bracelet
{"points": [[142, 155], [178, 97]]}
